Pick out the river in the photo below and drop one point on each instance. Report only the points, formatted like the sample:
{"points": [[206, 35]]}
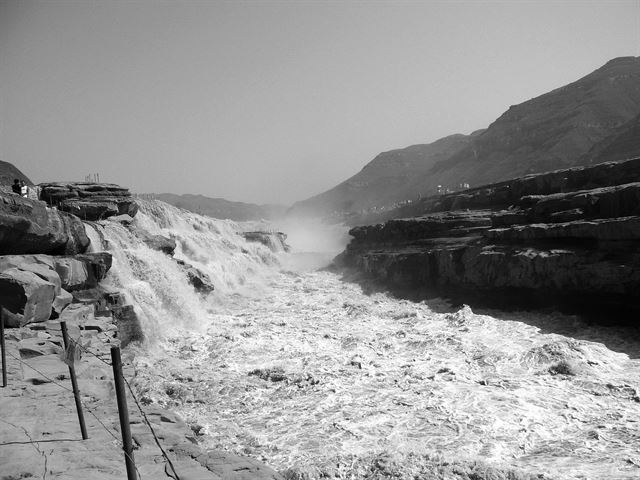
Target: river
{"points": [[318, 376]]}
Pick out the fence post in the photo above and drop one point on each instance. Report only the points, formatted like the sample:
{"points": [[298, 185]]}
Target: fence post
{"points": [[4, 358], [74, 382], [123, 412]]}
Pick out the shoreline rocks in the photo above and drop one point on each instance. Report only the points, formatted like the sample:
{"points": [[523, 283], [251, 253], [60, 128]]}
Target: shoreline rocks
{"points": [[566, 239], [34, 288]]}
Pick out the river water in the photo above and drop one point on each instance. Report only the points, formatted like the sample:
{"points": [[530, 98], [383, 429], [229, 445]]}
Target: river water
{"points": [[307, 372]]}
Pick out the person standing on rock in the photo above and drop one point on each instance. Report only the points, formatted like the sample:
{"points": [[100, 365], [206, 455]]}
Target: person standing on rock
{"points": [[24, 190], [16, 186]]}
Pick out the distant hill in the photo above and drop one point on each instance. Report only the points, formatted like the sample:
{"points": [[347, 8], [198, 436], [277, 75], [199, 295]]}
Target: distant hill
{"points": [[221, 208], [592, 120], [9, 172], [624, 144], [391, 177]]}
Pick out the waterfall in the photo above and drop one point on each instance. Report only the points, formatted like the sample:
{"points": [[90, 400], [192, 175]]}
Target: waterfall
{"points": [[156, 283]]}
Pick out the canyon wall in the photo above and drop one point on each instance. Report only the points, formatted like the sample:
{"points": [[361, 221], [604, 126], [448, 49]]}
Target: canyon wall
{"points": [[567, 239]]}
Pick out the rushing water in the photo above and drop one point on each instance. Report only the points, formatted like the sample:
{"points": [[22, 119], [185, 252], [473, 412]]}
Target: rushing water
{"points": [[306, 372]]}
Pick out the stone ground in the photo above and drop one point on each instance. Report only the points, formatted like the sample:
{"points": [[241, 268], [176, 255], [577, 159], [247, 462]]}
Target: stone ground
{"points": [[39, 431]]}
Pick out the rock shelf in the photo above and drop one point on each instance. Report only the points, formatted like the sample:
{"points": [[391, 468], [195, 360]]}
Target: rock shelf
{"points": [[40, 437], [567, 239]]}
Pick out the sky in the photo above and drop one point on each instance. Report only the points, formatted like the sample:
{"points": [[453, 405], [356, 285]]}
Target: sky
{"points": [[275, 101]]}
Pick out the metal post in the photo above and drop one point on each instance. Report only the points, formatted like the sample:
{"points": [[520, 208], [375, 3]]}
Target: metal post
{"points": [[74, 383], [4, 358], [123, 412]]}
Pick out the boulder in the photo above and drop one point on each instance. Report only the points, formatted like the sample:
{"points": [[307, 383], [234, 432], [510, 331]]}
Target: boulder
{"points": [[129, 327], [41, 265], [25, 297], [29, 226], [89, 200], [160, 243], [200, 281], [123, 219], [82, 272]]}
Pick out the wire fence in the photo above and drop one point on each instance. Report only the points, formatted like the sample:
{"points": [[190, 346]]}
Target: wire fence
{"points": [[143, 414], [140, 409]]}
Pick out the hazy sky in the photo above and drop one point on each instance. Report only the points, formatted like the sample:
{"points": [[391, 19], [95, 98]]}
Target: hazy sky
{"points": [[271, 101]]}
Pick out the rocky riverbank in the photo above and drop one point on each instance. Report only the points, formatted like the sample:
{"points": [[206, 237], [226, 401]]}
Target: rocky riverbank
{"points": [[567, 239], [47, 276], [41, 435]]}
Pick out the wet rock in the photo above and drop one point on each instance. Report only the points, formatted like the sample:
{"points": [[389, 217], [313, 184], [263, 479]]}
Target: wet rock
{"points": [[89, 200], [129, 328], [29, 226], [160, 243], [123, 219], [197, 278], [276, 241], [275, 374]]}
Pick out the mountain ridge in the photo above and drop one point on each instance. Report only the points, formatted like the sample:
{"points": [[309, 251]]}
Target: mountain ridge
{"points": [[575, 124], [221, 208]]}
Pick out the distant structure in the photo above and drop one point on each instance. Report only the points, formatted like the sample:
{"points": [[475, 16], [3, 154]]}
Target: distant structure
{"points": [[92, 177]]}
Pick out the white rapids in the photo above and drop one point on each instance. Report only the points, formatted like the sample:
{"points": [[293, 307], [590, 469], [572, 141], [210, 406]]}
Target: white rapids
{"points": [[308, 369]]}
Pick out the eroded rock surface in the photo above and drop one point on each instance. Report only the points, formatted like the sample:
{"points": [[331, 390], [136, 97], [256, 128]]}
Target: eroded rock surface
{"points": [[275, 241], [89, 200], [567, 238], [34, 288], [29, 226]]}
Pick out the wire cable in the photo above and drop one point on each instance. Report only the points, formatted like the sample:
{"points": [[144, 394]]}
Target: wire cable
{"points": [[83, 404]]}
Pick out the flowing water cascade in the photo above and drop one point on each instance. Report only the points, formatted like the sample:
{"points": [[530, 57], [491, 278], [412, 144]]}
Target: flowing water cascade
{"points": [[310, 374], [156, 283]]}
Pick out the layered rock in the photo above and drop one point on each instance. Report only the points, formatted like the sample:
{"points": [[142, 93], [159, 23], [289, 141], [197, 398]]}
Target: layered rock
{"points": [[89, 200], [276, 241], [34, 288], [567, 238], [25, 297], [29, 226]]}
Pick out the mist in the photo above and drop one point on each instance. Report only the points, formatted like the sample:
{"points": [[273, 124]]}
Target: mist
{"points": [[313, 243]]}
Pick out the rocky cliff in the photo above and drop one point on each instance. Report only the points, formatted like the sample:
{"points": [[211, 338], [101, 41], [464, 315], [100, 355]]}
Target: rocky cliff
{"points": [[89, 200], [567, 238], [591, 120], [46, 277], [30, 226]]}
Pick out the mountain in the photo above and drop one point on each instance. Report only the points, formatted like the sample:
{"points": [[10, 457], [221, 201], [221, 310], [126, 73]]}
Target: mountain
{"points": [[389, 178], [624, 144], [591, 120], [221, 208], [9, 172]]}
